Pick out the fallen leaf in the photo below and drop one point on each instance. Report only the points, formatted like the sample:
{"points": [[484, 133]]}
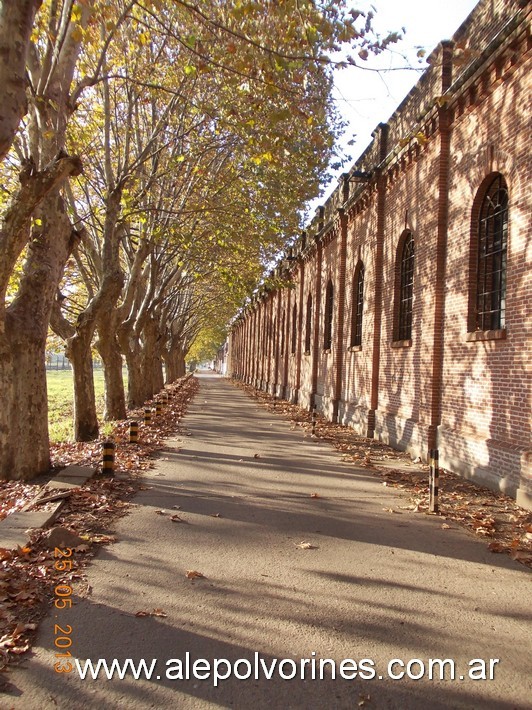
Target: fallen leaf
{"points": [[314, 495], [521, 555], [445, 526], [176, 519], [82, 548], [155, 612], [215, 515], [256, 456], [306, 546], [194, 574], [160, 512], [497, 547]]}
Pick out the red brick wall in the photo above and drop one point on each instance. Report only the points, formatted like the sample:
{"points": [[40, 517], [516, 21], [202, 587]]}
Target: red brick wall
{"points": [[466, 393]]}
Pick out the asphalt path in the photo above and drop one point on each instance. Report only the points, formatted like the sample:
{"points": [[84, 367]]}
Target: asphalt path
{"points": [[287, 575]]}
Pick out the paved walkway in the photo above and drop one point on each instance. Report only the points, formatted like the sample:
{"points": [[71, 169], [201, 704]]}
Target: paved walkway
{"points": [[372, 586]]}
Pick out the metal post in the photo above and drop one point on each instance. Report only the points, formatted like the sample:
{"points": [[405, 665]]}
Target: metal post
{"points": [[133, 432], [434, 479], [108, 465], [147, 415], [314, 418], [158, 409]]}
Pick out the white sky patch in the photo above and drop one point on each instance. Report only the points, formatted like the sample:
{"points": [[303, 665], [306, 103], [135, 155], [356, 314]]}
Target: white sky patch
{"points": [[367, 98]]}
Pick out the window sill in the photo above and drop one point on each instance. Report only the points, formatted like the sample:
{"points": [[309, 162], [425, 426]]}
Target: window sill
{"points": [[402, 343], [486, 335], [355, 349]]}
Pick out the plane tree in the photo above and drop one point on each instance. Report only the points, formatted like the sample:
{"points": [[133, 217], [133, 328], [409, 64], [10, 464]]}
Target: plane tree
{"points": [[247, 83]]}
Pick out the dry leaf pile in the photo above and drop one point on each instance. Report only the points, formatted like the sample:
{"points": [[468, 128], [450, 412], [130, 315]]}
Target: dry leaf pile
{"points": [[506, 526], [28, 575], [14, 495]]}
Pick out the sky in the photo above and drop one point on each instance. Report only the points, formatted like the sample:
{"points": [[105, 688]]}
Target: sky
{"points": [[365, 98]]}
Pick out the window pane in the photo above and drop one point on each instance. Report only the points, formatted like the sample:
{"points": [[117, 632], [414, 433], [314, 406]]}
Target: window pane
{"points": [[357, 306], [491, 267], [406, 290]]}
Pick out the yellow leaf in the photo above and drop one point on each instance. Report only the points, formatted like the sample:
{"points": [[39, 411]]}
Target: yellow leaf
{"points": [[76, 13], [77, 34]]}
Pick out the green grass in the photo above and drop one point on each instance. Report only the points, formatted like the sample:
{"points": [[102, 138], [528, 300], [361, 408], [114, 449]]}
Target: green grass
{"points": [[61, 403]]}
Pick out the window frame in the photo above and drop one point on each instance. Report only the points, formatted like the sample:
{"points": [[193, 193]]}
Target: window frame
{"points": [[487, 261], [308, 325], [404, 288], [293, 346], [328, 316], [357, 305]]}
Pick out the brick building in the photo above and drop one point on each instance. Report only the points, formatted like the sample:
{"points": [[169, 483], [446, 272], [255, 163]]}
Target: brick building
{"points": [[407, 314]]}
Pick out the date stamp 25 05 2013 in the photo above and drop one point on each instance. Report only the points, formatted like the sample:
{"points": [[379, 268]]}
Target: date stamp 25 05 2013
{"points": [[63, 600]]}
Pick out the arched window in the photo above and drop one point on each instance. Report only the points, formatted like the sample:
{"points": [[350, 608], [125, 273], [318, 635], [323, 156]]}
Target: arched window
{"points": [[357, 305], [491, 246], [294, 328], [308, 324], [405, 289], [329, 310]]}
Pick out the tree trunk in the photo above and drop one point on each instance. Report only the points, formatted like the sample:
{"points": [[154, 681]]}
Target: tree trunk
{"points": [[136, 388], [158, 373], [85, 418], [16, 23], [109, 349], [175, 364], [24, 442], [181, 369], [149, 360]]}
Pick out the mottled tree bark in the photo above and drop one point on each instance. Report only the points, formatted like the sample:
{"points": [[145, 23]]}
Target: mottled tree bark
{"points": [[175, 364], [16, 23], [24, 442], [79, 353], [109, 350]]}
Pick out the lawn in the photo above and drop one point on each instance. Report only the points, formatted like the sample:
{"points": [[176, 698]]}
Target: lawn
{"points": [[61, 402]]}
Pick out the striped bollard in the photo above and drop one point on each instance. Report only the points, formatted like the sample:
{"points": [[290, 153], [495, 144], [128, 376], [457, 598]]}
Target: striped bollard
{"points": [[158, 409], [314, 419], [108, 465], [147, 415], [133, 432], [434, 479]]}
